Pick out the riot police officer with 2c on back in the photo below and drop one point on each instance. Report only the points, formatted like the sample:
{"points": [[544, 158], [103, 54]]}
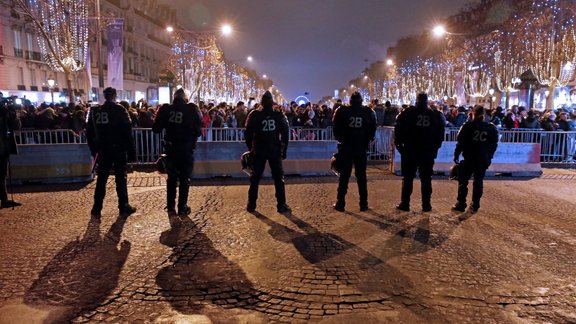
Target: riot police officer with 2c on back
{"points": [[477, 141], [267, 139], [109, 134], [183, 124], [354, 128], [418, 135]]}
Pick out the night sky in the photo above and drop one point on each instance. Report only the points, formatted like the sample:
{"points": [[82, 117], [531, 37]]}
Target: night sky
{"points": [[313, 46]]}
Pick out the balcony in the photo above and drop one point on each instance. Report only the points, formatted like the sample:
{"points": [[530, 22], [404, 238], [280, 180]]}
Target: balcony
{"points": [[33, 56], [18, 52]]}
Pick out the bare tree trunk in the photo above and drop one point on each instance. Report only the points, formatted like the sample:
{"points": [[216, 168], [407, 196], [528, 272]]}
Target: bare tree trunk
{"points": [[550, 98], [507, 98], [68, 76]]}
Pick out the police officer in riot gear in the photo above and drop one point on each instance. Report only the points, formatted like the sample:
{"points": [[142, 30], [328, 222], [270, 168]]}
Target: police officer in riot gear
{"points": [[418, 134], [109, 133], [9, 123], [183, 124], [354, 129], [477, 141], [267, 138]]}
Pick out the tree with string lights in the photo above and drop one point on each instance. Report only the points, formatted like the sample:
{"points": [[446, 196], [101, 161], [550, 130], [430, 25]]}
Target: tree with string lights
{"points": [[509, 64], [548, 29], [62, 27], [479, 68]]}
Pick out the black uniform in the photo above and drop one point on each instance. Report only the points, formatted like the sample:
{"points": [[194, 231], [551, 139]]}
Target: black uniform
{"points": [[477, 141], [9, 123], [418, 135], [183, 124], [354, 129], [109, 134], [267, 138]]}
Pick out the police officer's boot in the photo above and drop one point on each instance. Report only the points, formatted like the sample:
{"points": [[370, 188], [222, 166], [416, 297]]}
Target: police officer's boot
{"points": [[127, 210], [404, 204], [339, 205]]}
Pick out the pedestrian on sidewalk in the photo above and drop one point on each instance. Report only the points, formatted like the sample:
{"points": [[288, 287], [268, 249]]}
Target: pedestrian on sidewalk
{"points": [[109, 134], [267, 139], [354, 129], [477, 141], [183, 124], [418, 135]]}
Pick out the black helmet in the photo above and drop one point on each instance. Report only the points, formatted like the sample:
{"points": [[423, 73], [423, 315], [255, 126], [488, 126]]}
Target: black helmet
{"points": [[335, 164], [247, 163], [162, 164], [454, 171]]}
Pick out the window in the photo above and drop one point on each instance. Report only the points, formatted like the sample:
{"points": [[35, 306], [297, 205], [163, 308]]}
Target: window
{"points": [[32, 77], [21, 75], [17, 41], [30, 39], [17, 44]]}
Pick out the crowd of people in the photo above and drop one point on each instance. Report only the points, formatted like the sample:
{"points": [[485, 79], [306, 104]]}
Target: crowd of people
{"points": [[73, 116]]}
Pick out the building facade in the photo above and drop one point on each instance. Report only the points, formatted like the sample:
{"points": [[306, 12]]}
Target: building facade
{"points": [[146, 48]]}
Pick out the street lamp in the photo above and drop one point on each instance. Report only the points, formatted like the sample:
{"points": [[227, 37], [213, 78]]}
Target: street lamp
{"points": [[226, 29], [491, 93], [439, 31], [250, 59], [389, 62], [51, 84]]}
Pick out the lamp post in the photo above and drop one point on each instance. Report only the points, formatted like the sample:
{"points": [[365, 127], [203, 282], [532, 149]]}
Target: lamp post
{"points": [[491, 93], [51, 84]]}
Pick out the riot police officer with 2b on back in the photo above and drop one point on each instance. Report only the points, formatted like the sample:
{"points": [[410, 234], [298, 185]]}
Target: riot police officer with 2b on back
{"points": [[109, 134], [477, 141], [183, 124], [267, 139], [418, 135], [354, 129]]}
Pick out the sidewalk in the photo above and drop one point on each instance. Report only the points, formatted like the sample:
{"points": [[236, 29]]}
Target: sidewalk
{"points": [[512, 262]]}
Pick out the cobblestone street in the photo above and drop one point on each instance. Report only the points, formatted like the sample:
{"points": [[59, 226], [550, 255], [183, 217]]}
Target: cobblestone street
{"points": [[514, 261]]}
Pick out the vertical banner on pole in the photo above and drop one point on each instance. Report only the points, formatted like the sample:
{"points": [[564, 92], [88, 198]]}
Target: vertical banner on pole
{"points": [[115, 54]]}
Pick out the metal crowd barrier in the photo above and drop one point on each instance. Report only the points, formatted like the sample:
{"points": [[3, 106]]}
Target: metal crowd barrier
{"points": [[555, 147], [56, 136]]}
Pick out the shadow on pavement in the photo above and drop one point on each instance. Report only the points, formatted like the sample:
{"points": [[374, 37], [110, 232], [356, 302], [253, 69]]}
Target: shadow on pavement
{"points": [[198, 274], [31, 187], [82, 274], [408, 238]]}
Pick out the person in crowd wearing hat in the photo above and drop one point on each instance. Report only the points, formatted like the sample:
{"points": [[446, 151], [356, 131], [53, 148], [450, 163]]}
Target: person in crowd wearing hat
{"points": [[354, 129], [418, 135], [109, 134], [267, 138], [9, 123], [477, 142], [183, 124]]}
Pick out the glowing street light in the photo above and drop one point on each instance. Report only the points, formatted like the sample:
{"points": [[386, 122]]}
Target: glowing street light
{"points": [[170, 29], [226, 29], [265, 76], [439, 31], [389, 62], [250, 59], [365, 77]]}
